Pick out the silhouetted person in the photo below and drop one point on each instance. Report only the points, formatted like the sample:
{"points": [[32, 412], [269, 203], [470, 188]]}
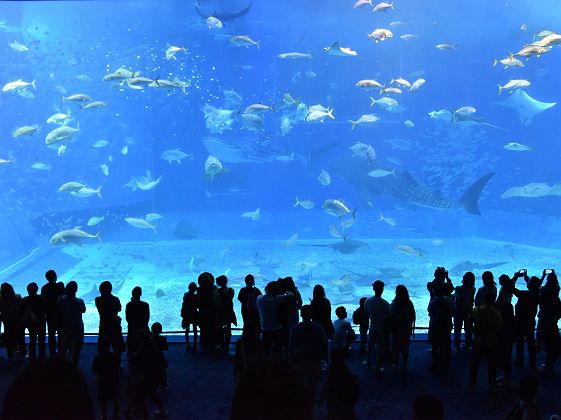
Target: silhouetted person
{"points": [[321, 310], [190, 315], [428, 407], [271, 327], [487, 325], [207, 312], [247, 297], [106, 368], [34, 319], [525, 312], [307, 349], [344, 334], [489, 287], [378, 309], [440, 328], [160, 347], [137, 314], [526, 406], [224, 306], [145, 378], [71, 324], [441, 277], [548, 316], [271, 390], [48, 389], [109, 307], [341, 391], [11, 314], [361, 318], [51, 292], [402, 324], [463, 304], [508, 332], [289, 303], [249, 350]]}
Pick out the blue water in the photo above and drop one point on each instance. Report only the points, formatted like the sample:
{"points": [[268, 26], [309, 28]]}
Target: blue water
{"points": [[93, 39]]}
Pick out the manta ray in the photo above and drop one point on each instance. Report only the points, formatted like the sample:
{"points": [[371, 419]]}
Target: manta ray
{"points": [[525, 105], [203, 9], [355, 169]]}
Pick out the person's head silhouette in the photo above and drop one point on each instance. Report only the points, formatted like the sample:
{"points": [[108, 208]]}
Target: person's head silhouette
{"points": [[51, 276]]}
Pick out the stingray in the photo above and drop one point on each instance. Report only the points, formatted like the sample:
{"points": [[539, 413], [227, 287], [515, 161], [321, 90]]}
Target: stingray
{"points": [[464, 266], [347, 246], [525, 105]]}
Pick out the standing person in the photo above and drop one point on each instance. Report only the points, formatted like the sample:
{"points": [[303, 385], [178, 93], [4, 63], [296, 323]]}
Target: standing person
{"points": [[487, 325], [441, 277], [247, 297], [34, 319], [160, 346], [71, 309], [108, 307], [137, 314], [307, 349], [225, 315], [271, 328], [207, 313], [321, 310], [402, 324], [525, 312], [51, 292], [344, 334], [489, 286], [463, 304], [106, 368], [548, 317], [190, 315], [361, 318], [378, 310], [290, 302], [440, 328], [11, 313], [507, 334]]}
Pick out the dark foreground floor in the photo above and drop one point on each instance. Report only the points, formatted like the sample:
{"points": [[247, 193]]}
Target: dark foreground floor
{"points": [[201, 386]]}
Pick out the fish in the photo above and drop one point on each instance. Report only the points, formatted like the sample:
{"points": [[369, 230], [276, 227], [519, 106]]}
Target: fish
{"points": [[174, 155], [404, 186], [388, 220], [401, 82], [18, 85], [417, 84], [94, 104], [517, 147], [409, 37], [61, 149], [125, 150], [152, 217], [77, 97], [531, 50], [334, 231], [257, 108], [319, 115], [324, 178], [140, 223], [346, 246], [294, 55], [252, 122], [349, 221], [362, 150], [172, 50], [514, 84], [61, 133], [120, 73], [532, 190], [85, 192], [363, 120], [147, 183], [26, 130], [105, 169], [369, 84], [447, 47], [407, 249], [253, 215], [465, 266], [551, 39], [41, 166], [526, 106], [380, 173], [510, 61], [214, 23], [100, 144], [16, 46], [213, 168], [228, 15], [380, 35], [58, 118], [71, 186], [305, 204], [243, 41], [409, 124], [383, 7], [290, 240], [76, 235], [336, 50], [361, 3], [5, 161], [336, 207], [384, 102], [94, 221]]}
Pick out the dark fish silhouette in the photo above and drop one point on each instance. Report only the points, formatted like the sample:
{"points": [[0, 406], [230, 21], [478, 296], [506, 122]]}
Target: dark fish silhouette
{"points": [[347, 246], [355, 169], [222, 15], [465, 266]]}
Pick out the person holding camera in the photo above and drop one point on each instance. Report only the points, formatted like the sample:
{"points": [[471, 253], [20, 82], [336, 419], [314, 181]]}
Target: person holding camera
{"points": [[441, 277], [525, 312], [548, 316]]}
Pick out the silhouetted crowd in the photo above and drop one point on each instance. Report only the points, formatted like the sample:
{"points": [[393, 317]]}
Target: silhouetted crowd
{"points": [[286, 344]]}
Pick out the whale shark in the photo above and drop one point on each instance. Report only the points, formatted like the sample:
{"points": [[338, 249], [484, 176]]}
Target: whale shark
{"points": [[526, 106], [402, 185]]}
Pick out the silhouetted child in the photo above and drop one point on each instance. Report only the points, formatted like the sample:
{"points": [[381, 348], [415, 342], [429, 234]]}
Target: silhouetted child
{"points": [[106, 368], [344, 334], [360, 318], [34, 320], [190, 314], [161, 345]]}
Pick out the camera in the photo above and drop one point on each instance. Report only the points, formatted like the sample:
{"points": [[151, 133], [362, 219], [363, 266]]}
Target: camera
{"points": [[523, 271], [549, 270]]}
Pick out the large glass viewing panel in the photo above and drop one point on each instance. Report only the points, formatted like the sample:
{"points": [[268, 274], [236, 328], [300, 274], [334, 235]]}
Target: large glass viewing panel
{"points": [[145, 142]]}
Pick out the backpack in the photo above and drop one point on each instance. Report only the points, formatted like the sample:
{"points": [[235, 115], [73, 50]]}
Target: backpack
{"points": [[357, 316]]}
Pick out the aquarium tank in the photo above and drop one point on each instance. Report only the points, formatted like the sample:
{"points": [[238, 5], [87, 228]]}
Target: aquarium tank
{"points": [[337, 142]]}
